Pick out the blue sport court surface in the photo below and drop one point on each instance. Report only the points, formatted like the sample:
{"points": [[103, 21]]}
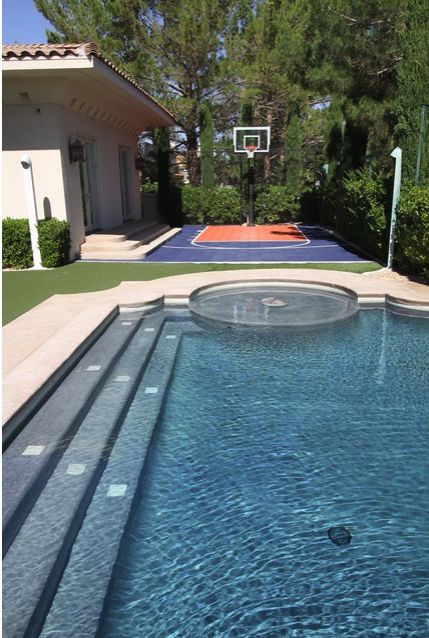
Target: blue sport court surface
{"points": [[293, 243]]}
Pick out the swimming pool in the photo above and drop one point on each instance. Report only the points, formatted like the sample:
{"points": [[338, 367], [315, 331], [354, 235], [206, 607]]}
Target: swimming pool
{"points": [[217, 523]]}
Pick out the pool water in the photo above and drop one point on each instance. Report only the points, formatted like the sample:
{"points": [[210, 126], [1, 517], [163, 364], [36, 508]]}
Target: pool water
{"points": [[268, 439]]}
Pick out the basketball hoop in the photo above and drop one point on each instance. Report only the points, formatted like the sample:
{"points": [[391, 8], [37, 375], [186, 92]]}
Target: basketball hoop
{"points": [[250, 149]]}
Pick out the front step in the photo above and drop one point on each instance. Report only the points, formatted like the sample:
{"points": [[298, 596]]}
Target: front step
{"points": [[91, 253]]}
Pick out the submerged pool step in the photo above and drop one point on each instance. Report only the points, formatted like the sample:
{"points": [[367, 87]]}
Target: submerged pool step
{"points": [[96, 547], [31, 457], [36, 558]]}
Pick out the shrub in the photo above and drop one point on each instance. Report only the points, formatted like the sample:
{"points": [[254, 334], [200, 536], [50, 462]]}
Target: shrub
{"points": [[331, 203], [210, 205], [17, 251], [362, 216], [276, 204], [412, 231], [149, 187], [54, 242]]}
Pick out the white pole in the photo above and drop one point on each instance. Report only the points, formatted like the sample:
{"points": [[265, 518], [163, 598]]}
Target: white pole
{"points": [[397, 154], [32, 209]]}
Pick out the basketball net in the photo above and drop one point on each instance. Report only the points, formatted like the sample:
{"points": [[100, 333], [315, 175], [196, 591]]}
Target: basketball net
{"points": [[250, 149]]}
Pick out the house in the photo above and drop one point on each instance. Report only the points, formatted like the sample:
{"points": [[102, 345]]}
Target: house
{"points": [[78, 117]]}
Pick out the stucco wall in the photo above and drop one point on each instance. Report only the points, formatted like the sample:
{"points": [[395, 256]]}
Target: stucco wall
{"points": [[27, 130], [44, 131]]}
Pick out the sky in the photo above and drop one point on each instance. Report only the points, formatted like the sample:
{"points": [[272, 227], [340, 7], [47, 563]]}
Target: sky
{"points": [[22, 23]]}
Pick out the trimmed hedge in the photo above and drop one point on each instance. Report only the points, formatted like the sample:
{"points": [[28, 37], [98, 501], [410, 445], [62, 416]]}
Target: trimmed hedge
{"points": [[412, 231], [276, 204], [200, 205], [362, 216], [54, 242], [210, 205], [17, 251]]}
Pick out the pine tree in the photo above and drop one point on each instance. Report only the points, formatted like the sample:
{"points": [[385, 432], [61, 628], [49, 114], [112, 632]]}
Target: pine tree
{"points": [[207, 133], [176, 50]]}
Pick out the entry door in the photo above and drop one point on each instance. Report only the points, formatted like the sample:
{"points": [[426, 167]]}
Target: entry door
{"points": [[88, 185], [124, 177]]}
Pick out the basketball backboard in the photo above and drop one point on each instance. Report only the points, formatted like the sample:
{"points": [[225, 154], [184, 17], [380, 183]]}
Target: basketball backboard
{"points": [[252, 139]]}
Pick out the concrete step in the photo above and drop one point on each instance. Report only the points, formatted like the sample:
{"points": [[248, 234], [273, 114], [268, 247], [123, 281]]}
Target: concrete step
{"points": [[112, 246], [137, 254], [36, 559], [120, 233]]}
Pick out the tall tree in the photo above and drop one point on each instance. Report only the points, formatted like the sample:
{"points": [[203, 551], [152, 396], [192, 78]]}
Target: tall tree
{"points": [[412, 129], [207, 138], [176, 50], [293, 152]]}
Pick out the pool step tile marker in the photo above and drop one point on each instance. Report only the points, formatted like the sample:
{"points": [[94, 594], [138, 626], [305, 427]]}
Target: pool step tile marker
{"points": [[95, 550], [93, 368], [71, 400], [149, 329], [76, 469], [126, 323], [123, 378], [51, 526], [170, 336], [33, 450], [151, 390], [116, 490]]}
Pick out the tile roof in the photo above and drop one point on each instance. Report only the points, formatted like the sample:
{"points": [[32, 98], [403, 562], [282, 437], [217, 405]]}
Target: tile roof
{"points": [[72, 50]]}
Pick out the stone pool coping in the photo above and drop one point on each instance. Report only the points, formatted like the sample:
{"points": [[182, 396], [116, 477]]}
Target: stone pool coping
{"points": [[39, 343]]}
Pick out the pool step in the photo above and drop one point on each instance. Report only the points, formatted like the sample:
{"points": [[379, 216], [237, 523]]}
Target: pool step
{"points": [[96, 547], [31, 458], [36, 558]]}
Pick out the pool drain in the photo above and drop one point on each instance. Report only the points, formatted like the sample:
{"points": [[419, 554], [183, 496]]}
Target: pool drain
{"points": [[340, 535]]}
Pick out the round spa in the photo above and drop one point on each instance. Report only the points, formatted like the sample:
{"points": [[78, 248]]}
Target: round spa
{"points": [[273, 304]]}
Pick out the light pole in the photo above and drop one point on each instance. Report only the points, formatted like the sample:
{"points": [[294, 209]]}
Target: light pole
{"points": [[32, 210], [397, 154]]}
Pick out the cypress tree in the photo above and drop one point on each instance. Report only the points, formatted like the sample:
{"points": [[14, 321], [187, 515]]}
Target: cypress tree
{"points": [[413, 89], [246, 118], [162, 149], [293, 152], [206, 137]]}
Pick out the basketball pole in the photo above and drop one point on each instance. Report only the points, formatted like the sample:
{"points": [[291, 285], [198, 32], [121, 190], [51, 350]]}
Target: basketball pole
{"points": [[251, 192]]}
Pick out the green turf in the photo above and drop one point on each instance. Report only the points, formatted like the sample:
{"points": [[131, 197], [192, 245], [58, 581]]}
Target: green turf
{"points": [[23, 290]]}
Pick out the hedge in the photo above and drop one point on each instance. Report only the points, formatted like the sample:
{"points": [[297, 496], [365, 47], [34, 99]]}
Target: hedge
{"points": [[17, 251], [412, 231], [361, 217], [210, 205], [54, 243], [276, 204]]}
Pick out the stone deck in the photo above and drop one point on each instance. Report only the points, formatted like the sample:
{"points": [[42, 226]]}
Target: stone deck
{"points": [[38, 344]]}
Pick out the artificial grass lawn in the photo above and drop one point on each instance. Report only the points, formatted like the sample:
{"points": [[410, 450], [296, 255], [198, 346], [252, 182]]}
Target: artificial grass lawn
{"points": [[23, 290]]}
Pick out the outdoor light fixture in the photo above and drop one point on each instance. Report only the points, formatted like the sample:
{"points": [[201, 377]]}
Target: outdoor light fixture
{"points": [[76, 151]]}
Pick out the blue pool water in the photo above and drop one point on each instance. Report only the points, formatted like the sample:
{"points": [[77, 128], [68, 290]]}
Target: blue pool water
{"points": [[267, 439]]}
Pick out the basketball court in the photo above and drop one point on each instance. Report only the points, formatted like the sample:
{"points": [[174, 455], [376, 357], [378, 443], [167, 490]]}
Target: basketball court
{"points": [[278, 243]]}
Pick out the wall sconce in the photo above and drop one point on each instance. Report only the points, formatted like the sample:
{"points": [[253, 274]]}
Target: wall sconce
{"points": [[76, 153]]}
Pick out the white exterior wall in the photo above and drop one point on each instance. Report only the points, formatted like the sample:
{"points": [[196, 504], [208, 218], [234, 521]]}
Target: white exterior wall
{"points": [[43, 131], [25, 130], [108, 140]]}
